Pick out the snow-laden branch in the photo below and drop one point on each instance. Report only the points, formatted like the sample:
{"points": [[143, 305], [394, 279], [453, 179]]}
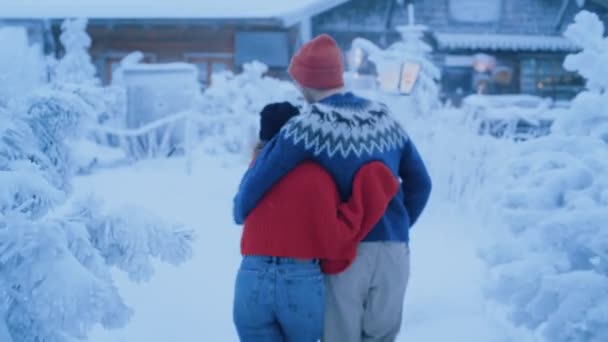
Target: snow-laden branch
{"points": [[366, 45], [56, 255]]}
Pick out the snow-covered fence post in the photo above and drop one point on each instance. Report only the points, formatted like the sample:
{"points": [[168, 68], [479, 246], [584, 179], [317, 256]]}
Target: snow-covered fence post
{"points": [[189, 136]]}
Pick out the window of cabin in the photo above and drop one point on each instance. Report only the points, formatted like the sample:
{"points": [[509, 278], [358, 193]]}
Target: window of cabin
{"points": [[475, 11], [270, 48], [545, 76], [457, 80], [209, 64], [107, 63]]}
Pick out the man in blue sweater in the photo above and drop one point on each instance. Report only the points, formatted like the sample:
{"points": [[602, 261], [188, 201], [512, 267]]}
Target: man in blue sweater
{"points": [[342, 132]]}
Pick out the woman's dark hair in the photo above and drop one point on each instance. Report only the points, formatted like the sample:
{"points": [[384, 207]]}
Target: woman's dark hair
{"points": [[273, 117]]}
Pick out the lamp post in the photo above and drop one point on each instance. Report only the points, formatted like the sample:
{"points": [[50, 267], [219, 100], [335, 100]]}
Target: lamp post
{"points": [[404, 68], [410, 14]]}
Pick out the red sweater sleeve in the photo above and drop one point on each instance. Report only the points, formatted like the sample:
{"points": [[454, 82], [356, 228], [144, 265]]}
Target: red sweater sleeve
{"points": [[373, 188]]}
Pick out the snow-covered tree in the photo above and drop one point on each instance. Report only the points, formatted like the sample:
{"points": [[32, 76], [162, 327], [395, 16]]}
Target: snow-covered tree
{"points": [[75, 66], [232, 104], [56, 252], [550, 263], [74, 73]]}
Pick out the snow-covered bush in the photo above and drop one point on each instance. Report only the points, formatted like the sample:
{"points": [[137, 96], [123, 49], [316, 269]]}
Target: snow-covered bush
{"points": [[549, 261], [459, 159], [56, 252], [22, 67], [519, 117], [103, 106], [232, 104]]}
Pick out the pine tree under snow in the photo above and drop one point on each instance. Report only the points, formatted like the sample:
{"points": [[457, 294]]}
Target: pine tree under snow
{"points": [[550, 265], [75, 73], [234, 103], [56, 252], [76, 65]]}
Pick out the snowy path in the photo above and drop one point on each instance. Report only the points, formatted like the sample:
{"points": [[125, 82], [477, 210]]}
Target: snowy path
{"points": [[444, 300], [194, 301]]}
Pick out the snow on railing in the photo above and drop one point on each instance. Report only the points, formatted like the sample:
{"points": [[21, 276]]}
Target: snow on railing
{"points": [[519, 117], [157, 138]]}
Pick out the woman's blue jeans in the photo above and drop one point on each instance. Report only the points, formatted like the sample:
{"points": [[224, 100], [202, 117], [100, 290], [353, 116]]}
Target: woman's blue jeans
{"points": [[279, 299]]}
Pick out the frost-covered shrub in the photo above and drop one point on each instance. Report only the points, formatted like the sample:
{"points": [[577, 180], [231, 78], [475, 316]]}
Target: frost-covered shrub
{"points": [[56, 253], [519, 117], [549, 262], [232, 104], [22, 67], [460, 161]]}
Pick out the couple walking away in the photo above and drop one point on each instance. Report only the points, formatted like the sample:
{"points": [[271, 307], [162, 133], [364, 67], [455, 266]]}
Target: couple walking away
{"points": [[327, 205]]}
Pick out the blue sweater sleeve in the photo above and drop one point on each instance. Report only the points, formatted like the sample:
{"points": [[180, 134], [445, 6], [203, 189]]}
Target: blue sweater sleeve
{"points": [[416, 181], [276, 159]]}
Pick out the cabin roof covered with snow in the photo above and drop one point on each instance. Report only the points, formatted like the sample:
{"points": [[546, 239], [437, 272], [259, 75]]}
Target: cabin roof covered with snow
{"points": [[288, 12], [495, 42]]}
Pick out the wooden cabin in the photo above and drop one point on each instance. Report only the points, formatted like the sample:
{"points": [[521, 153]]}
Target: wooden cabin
{"points": [[213, 35]]}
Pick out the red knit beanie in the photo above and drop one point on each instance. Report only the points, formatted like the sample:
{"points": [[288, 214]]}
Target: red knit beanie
{"points": [[318, 64]]}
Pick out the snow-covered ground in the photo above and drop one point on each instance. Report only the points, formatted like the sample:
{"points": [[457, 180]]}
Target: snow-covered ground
{"points": [[193, 302], [444, 301]]}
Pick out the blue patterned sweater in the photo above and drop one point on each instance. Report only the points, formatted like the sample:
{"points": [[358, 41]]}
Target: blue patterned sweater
{"points": [[342, 133]]}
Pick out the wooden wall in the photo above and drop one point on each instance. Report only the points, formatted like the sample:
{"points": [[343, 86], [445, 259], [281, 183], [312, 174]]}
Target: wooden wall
{"points": [[209, 45]]}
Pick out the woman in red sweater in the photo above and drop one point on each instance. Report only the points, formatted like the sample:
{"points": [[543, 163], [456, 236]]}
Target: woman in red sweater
{"points": [[299, 230]]}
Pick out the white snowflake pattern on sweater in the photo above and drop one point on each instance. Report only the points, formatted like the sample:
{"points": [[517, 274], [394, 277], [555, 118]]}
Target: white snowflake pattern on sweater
{"points": [[347, 131]]}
